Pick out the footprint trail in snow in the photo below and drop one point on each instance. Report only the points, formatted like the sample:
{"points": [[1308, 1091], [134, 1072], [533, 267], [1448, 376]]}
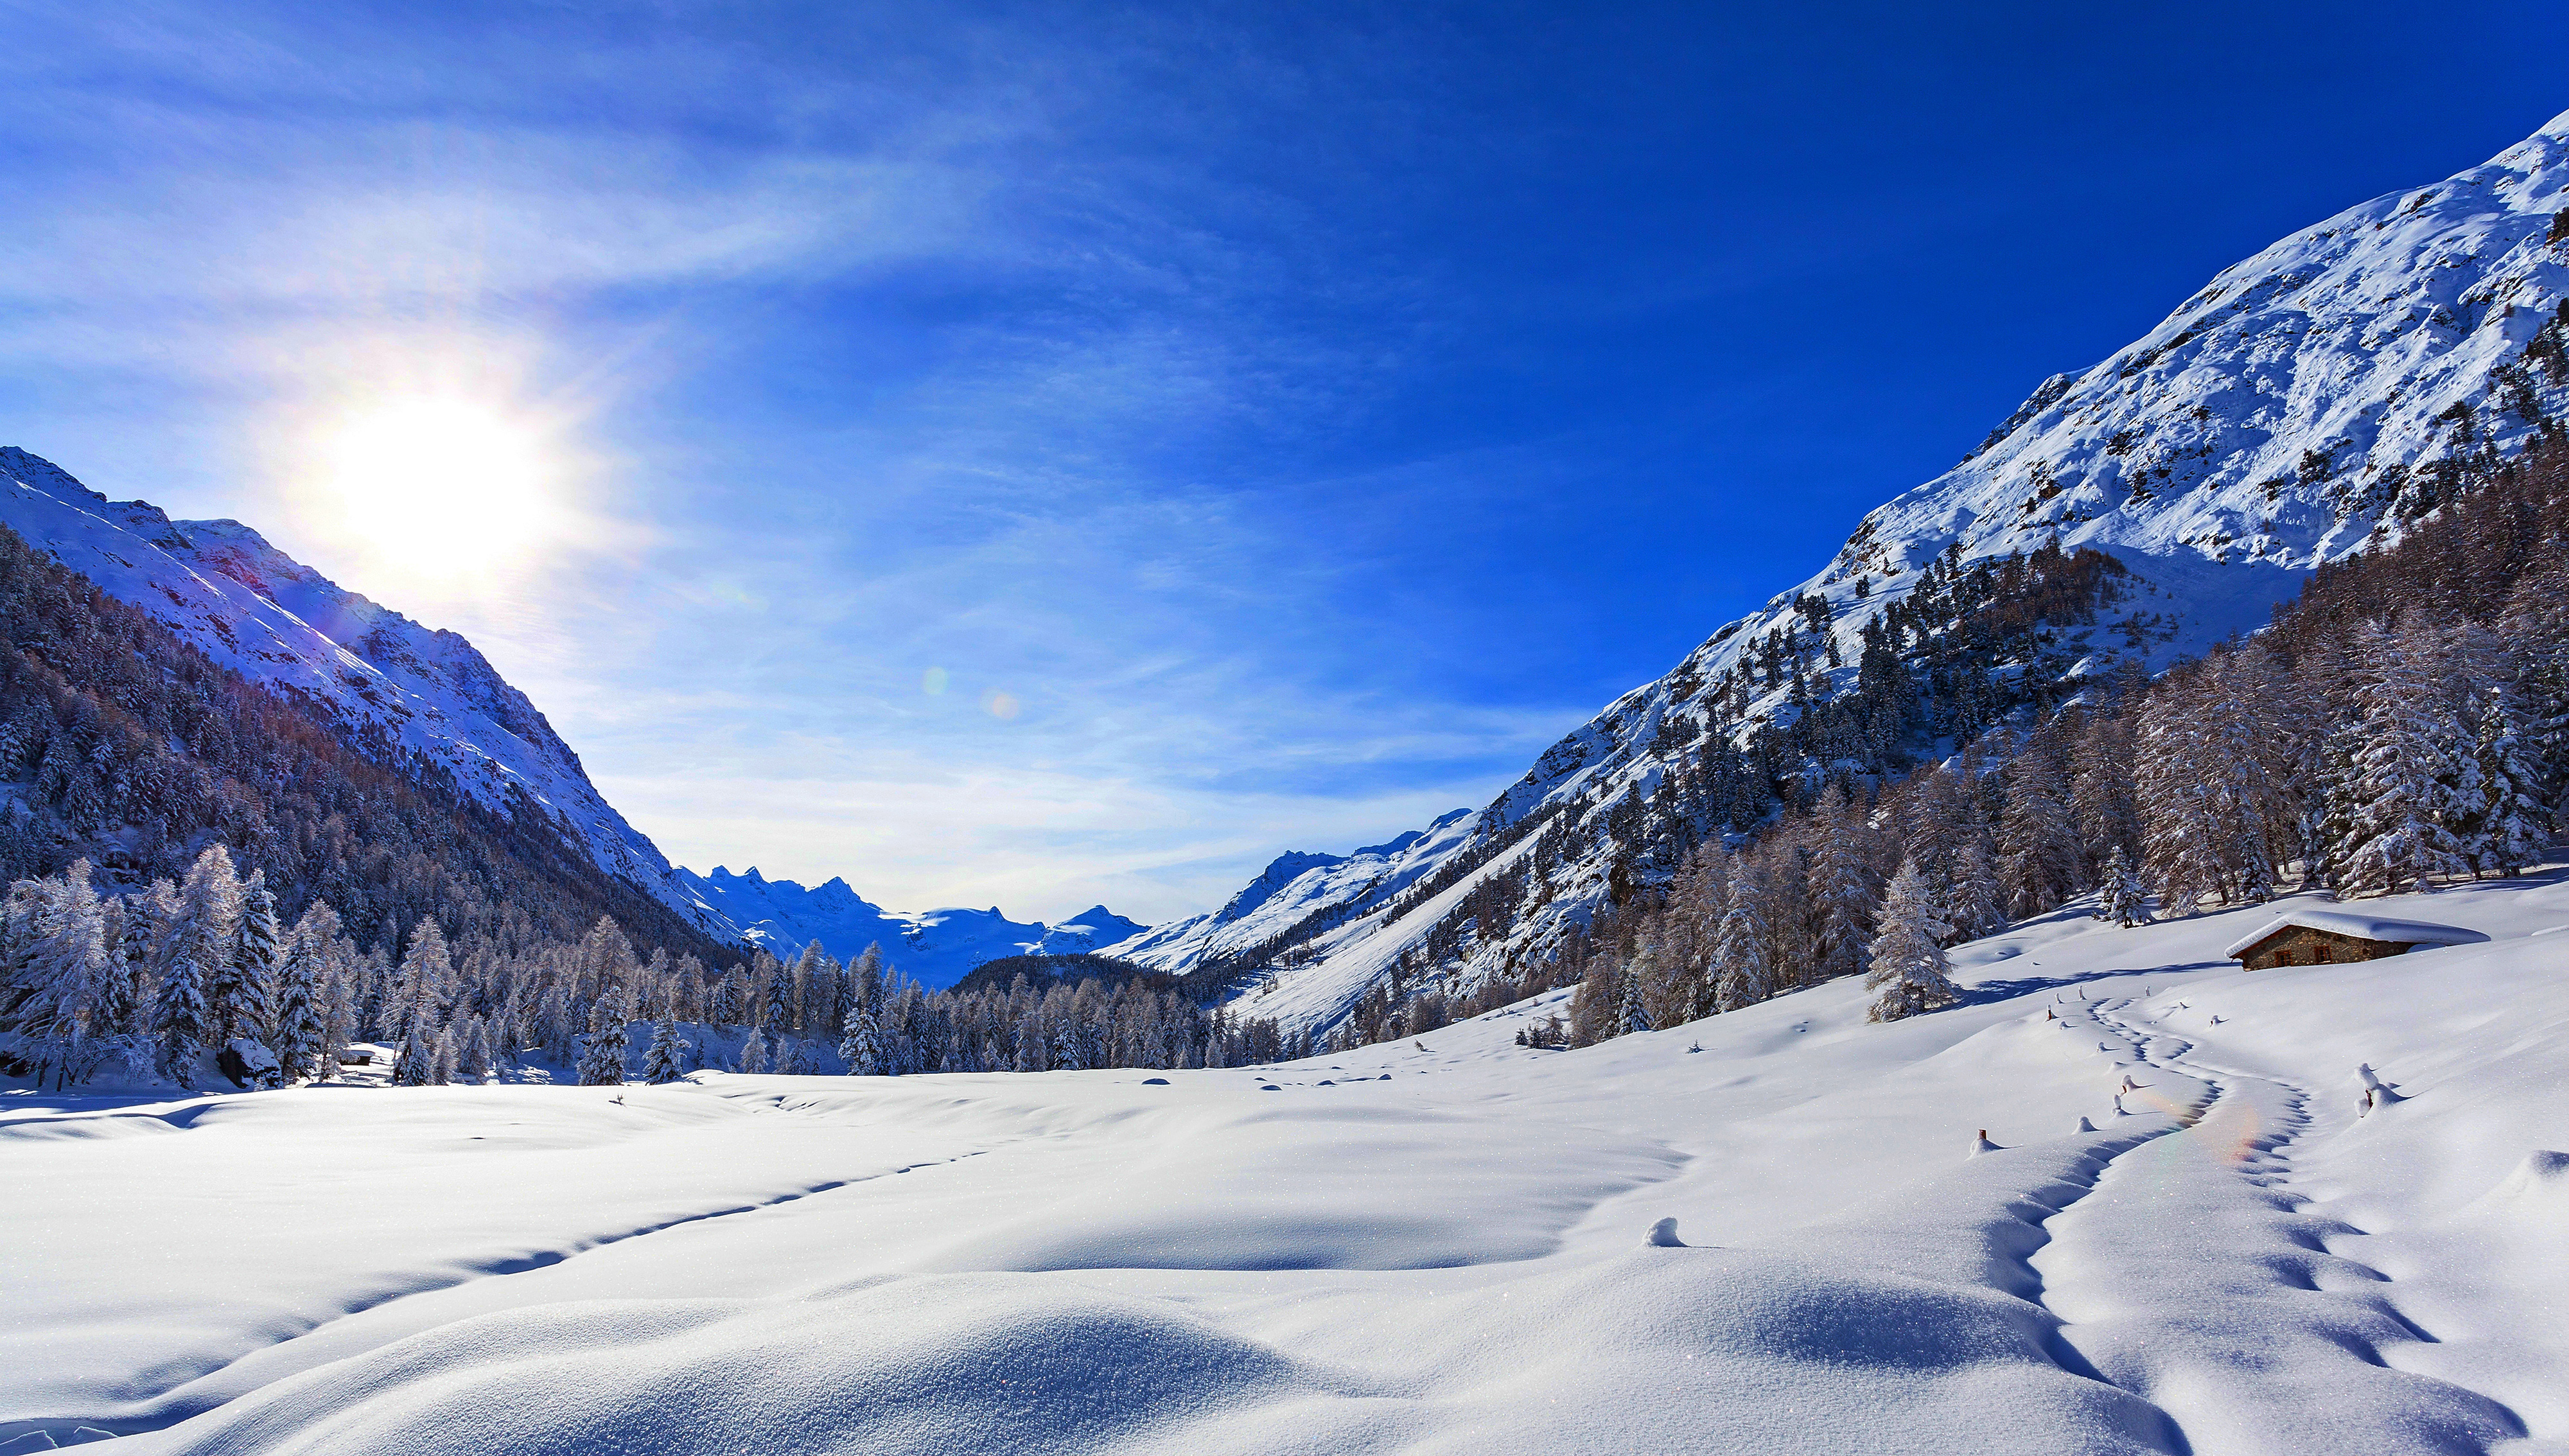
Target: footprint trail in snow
{"points": [[2194, 1276]]}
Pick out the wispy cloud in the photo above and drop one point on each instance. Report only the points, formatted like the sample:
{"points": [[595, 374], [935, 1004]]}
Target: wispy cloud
{"points": [[892, 352]]}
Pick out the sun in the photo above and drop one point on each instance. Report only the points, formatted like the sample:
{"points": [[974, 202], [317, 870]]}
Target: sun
{"points": [[443, 485]]}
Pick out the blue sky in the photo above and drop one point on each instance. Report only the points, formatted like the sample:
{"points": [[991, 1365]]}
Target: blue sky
{"points": [[1266, 426]]}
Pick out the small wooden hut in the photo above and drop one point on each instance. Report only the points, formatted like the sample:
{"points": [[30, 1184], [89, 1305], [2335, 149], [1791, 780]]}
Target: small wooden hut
{"points": [[2325, 936]]}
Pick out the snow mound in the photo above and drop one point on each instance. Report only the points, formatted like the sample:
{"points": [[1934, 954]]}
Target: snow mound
{"points": [[935, 1366]]}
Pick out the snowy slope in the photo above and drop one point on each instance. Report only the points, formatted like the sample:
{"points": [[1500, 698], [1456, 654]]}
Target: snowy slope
{"points": [[1295, 886], [395, 685], [1444, 1250], [935, 947], [2298, 408]]}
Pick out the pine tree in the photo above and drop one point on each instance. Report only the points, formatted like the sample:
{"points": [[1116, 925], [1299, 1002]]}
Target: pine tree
{"points": [[660, 1062], [1742, 973], [1907, 971], [415, 1065], [2510, 825], [473, 1058], [861, 1047], [2405, 799], [2122, 898], [205, 934], [304, 1037], [444, 1058], [1974, 900], [65, 974], [601, 1055], [778, 1019], [1632, 1011], [2039, 860], [1842, 892], [753, 1052], [426, 982], [178, 1019], [246, 1003]]}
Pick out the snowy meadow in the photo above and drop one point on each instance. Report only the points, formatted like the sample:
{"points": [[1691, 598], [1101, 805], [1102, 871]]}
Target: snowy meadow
{"points": [[2123, 1196]]}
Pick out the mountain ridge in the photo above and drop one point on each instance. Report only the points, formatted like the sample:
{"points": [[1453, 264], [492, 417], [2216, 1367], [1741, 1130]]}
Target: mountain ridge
{"points": [[2301, 406]]}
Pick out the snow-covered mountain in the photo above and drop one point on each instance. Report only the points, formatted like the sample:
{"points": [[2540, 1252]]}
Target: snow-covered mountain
{"points": [[935, 947], [401, 690], [2307, 403], [1295, 886]]}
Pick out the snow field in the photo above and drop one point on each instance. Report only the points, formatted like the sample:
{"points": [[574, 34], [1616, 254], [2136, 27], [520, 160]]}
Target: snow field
{"points": [[1456, 1259]]}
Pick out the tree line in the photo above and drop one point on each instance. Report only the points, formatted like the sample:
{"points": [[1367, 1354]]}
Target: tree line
{"points": [[164, 982], [2403, 724]]}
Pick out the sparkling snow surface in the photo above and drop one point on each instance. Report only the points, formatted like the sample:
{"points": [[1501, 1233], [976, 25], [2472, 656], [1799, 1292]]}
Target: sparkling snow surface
{"points": [[1450, 1250]]}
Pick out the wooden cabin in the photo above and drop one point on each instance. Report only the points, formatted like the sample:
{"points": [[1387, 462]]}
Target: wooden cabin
{"points": [[2327, 936]]}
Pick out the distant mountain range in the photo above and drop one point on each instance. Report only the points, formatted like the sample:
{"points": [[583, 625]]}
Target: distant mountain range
{"points": [[935, 947]]}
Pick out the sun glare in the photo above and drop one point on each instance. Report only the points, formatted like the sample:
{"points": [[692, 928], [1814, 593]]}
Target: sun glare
{"points": [[441, 485]]}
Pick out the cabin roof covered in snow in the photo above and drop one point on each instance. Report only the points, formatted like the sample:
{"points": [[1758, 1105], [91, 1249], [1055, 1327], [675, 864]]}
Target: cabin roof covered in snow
{"points": [[2359, 926]]}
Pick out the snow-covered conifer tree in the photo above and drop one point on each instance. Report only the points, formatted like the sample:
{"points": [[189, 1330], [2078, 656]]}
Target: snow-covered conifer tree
{"points": [[2122, 897], [1843, 894], [778, 1015], [426, 982], [178, 1019], [2406, 791], [660, 1061], [2510, 823], [860, 1046], [1907, 973], [205, 934], [1974, 902], [1631, 1009], [415, 1064], [753, 1051], [64, 971], [1742, 973], [2039, 859], [244, 998], [444, 1058], [474, 1061], [601, 1054], [302, 1034]]}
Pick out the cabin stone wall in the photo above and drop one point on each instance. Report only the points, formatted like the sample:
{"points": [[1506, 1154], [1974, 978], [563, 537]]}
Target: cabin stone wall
{"points": [[2302, 945]]}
